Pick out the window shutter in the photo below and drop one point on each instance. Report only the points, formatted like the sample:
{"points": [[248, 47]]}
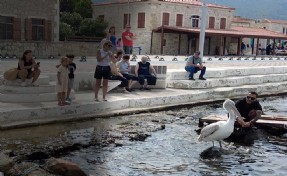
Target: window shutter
{"points": [[141, 20], [17, 29], [211, 22], [127, 19], [28, 29], [179, 18], [47, 30], [222, 23], [165, 19]]}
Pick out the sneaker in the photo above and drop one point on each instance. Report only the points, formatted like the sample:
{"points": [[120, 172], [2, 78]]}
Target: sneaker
{"points": [[34, 84], [146, 88], [141, 88], [23, 84], [201, 78], [191, 79], [69, 99]]}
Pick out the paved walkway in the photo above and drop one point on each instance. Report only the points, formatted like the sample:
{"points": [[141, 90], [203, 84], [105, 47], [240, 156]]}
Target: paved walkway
{"points": [[84, 99]]}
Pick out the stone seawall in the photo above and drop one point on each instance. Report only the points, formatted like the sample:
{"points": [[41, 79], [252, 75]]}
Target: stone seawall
{"points": [[43, 50]]}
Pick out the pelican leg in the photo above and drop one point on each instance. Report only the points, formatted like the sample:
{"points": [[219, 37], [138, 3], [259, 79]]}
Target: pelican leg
{"points": [[220, 145]]}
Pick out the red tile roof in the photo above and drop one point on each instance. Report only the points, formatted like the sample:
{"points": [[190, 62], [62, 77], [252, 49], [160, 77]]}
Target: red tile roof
{"points": [[190, 2], [274, 21], [235, 31]]}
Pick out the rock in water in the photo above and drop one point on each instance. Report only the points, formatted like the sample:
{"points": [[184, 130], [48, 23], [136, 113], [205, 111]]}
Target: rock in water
{"points": [[64, 168]]}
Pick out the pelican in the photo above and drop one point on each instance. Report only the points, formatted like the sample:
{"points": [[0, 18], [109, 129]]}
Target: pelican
{"points": [[220, 130]]}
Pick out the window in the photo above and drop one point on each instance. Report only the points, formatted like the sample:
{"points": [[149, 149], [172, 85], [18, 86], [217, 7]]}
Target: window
{"points": [[211, 22], [165, 19], [195, 21], [141, 20], [101, 17], [179, 18], [283, 30], [6, 27], [127, 19], [222, 23], [37, 29]]}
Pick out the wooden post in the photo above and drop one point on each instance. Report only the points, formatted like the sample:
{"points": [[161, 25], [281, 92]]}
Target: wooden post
{"points": [[209, 45], [179, 41], [161, 40], [257, 45], [224, 45], [252, 46], [239, 46], [273, 50], [151, 42]]}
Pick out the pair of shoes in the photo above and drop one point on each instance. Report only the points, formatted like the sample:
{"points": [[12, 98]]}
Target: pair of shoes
{"points": [[191, 79], [146, 88], [130, 90], [34, 84], [23, 84], [69, 99], [201, 78], [104, 99], [141, 88]]}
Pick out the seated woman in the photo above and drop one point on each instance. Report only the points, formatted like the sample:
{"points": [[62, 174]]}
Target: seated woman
{"points": [[125, 68], [116, 75], [142, 71], [28, 68]]}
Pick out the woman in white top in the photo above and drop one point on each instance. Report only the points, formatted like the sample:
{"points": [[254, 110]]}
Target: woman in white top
{"points": [[103, 69]]}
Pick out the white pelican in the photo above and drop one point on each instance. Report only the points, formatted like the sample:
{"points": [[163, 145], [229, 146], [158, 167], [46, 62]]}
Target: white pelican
{"points": [[220, 130]]}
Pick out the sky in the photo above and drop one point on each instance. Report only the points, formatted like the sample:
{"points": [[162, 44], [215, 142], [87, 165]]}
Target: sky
{"points": [[255, 9]]}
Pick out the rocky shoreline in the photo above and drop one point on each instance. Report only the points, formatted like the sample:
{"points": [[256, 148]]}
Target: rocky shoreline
{"points": [[44, 158]]}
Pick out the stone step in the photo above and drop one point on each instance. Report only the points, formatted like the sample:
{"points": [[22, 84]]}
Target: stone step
{"points": [[30, 98], [85, 108], [227, 72], [226, 82], [27, 90], [42, 80]]}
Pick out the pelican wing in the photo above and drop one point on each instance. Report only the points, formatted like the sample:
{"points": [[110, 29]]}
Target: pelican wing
{"points": [[208, 130]]}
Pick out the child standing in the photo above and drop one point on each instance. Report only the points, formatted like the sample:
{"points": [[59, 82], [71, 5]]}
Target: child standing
{"points": [[72, 68], [62, 81]]}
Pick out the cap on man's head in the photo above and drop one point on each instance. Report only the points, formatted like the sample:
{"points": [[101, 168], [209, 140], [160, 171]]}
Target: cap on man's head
{"points": [[197, 52]]}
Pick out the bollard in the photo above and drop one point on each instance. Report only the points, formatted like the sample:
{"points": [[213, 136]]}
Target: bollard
{"points": [[174, 59], [161, 59]]}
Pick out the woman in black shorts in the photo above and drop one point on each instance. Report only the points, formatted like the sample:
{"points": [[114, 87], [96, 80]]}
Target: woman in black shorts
{"points": [[103, 69]]}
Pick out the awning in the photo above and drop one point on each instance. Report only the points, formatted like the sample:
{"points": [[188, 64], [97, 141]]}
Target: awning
{"points": [[235, 31]]}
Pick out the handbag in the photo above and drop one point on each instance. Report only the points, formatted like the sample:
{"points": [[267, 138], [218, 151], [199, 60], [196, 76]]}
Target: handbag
{"points": [[11, 74]]}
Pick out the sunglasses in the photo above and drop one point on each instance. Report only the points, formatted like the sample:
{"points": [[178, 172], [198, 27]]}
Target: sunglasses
{"points": [[251, 98]]}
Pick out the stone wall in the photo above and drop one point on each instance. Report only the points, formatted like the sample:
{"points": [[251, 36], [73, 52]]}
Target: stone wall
{"points": [[43, 50], [42, 9], [153, 19]]}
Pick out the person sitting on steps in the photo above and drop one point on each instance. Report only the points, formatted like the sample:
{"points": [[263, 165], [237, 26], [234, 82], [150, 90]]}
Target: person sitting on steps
{"points": [[142, 71], [28, 68], [193, 65]]}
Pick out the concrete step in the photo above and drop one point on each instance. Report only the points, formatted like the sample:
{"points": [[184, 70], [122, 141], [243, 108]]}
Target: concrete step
{"points": [[227, 72], [30, 98], [82, 108], [27, 90], [43, 80], [226, 82]]}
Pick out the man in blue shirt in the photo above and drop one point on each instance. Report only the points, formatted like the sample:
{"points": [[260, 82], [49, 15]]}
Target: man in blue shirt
{"points": [[193, 65]]}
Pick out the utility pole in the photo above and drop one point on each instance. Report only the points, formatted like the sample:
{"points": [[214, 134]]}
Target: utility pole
{"points": [[202, 28]]}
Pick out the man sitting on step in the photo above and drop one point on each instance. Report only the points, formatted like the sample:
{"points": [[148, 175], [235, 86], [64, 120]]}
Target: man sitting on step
{"points": [[193, 65]]}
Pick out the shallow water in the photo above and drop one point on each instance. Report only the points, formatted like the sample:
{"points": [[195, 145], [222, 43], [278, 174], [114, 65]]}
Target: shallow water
{"points": [[172, 151]]}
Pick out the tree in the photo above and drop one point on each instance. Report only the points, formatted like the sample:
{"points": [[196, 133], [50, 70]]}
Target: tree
{"points": [[91, 27], [73, 19], [67, 5], [65, 31], [84, 7]]}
